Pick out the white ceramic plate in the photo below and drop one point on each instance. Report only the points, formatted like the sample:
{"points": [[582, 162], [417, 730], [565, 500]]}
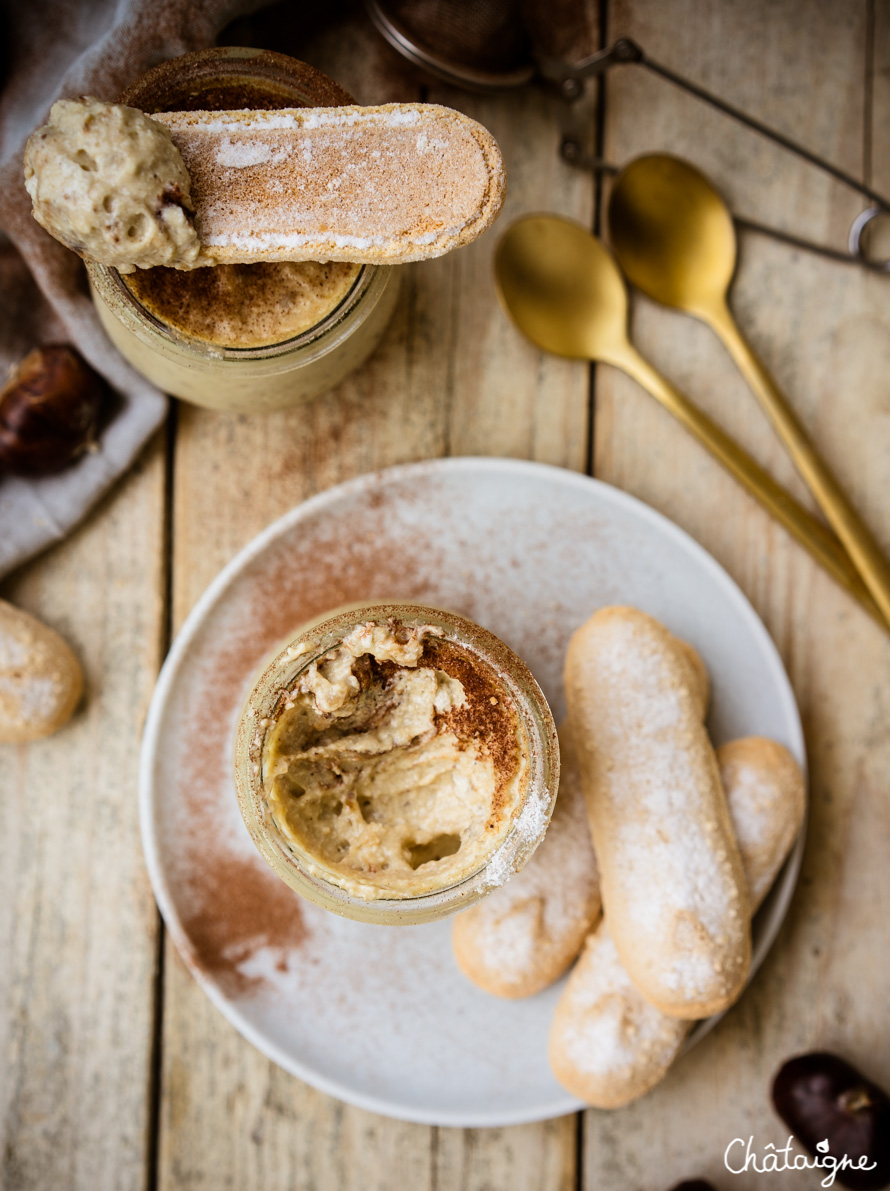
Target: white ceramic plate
{"points": [[380, 1016]]}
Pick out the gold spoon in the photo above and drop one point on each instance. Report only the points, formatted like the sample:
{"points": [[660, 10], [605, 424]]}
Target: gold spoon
{"points": [[674, 239], [562, 288]]}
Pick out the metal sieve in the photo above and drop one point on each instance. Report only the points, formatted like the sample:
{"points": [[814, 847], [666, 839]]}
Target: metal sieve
{"points": [[495, 45]]}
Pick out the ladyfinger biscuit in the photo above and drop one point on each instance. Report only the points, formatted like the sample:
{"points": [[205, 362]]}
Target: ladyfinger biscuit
{"points": [[523, 936], [375, 185], [699, 682], [767, 799], [672, 882], [41, 680], [608, 1045]]}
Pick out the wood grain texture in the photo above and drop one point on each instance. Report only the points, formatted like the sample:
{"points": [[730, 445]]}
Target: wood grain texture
{"points": [[78, 922], [529, 1157], [451, 377], [877, 132], [823, 330]]}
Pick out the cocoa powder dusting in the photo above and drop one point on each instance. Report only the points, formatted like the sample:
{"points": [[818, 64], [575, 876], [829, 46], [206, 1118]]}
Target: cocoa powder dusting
{"points": [[240, 907], [244, 306], [485, 717], [235, 906]]}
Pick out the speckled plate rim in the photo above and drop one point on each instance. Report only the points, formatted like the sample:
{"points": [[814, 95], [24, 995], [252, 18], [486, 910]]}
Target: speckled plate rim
{"points": [[770, 917]]}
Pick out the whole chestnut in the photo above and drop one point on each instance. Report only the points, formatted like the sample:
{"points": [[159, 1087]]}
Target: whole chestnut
{"points": [[693, 1185], [835, 1112], [48, 411]]}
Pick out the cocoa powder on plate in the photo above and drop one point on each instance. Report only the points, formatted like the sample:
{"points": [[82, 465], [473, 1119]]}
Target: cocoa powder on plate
{"points": [[231, 905], [240, 908]]}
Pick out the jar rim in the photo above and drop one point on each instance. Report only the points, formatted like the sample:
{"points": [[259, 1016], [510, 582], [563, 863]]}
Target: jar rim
{"points": [[111, 285], [320, 89]]}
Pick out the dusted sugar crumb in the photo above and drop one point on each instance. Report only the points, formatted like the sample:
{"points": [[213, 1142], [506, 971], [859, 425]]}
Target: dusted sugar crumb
{"points": [[394, 764], [378, 185], [40, 678]]}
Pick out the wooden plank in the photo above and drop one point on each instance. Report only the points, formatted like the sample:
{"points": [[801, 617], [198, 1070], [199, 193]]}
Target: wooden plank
{"points": [[450, 377], [823, 328], [877, 133], [77, 917], [538, 1157], [501, 395]]}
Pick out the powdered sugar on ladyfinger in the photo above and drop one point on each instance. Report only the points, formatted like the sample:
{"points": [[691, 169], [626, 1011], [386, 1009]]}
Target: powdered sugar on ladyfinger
{"points": [[522, 937], [378, 185], [608, 1045], [367, 185], [673, 889]]}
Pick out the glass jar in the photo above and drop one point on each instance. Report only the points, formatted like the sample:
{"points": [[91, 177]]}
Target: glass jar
{"points": [[235, 378], [505, 681]]}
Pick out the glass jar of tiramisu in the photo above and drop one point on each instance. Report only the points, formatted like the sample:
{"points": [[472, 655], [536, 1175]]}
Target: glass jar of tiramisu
{"points": [[243, 337], [395, 763]]}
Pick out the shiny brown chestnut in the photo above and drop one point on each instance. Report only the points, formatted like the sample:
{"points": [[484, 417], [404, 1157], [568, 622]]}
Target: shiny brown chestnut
{"points": [[823, 1099], [693, 1185], [48, 411]]}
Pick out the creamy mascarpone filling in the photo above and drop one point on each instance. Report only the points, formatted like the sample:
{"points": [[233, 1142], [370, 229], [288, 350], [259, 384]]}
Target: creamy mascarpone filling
{"points": [[109, 182], [394, 766]]}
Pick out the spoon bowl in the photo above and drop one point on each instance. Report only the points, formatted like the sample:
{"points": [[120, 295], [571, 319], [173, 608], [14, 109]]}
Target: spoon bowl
{"points": [[562, 288], [672, 232]]}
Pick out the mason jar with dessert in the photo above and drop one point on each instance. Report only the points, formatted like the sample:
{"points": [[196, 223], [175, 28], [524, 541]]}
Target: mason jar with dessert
{"points": [[395, 763], [242, 219]]}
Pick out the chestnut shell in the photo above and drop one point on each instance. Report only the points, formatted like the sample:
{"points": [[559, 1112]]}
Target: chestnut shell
{"points": [[821, 1097], [48, 411]]}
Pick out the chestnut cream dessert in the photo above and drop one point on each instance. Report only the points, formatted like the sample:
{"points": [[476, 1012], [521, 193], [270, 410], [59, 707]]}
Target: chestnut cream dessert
{"points": [[393, 763], [238, 214]]}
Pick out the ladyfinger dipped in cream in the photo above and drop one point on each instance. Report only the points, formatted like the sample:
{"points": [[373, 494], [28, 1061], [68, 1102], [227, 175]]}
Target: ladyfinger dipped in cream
{"points": [[608, 1045], [672, 883], [373, 185]]}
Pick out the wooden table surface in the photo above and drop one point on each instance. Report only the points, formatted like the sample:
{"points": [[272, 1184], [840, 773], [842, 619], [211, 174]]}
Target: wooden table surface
{"points": [[117, 1072]]}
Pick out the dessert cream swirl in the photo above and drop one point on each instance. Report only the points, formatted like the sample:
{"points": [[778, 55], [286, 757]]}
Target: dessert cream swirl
{"points": [[394, 765], [108, 181]]}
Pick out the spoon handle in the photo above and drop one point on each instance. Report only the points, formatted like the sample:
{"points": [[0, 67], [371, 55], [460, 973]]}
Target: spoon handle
{"points": [[849, 526], [801, 524]]}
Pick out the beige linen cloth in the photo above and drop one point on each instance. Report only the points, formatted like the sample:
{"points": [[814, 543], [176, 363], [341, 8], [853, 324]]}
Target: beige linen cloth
{"points": [[57, 49]]}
